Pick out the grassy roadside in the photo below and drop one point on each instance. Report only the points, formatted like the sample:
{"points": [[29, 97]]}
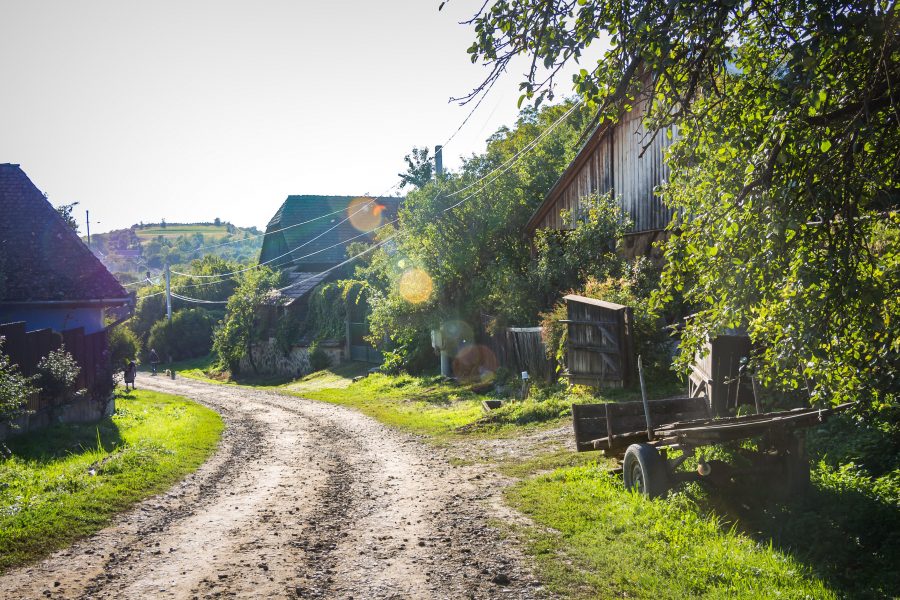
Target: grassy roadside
{"points": [[66, 482], [600, 541], [842, 540]]}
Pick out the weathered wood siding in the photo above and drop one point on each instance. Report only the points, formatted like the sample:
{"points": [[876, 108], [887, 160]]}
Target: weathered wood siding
{"points": [[611, 161]]}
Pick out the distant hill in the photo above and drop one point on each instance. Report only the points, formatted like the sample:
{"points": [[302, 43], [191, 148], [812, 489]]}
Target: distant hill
{"points": [[130, 253]]}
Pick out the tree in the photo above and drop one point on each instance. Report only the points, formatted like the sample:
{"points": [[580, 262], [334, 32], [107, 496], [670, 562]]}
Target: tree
{"points": [[124, 346], [460, 252], [65, 211], [188, 336], [785, 176], [420, 168], [566, 260], [242, 325]]}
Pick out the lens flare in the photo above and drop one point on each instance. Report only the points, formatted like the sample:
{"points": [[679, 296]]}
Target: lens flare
{"points": [[475, 362], [416, 286], [365, 213]]}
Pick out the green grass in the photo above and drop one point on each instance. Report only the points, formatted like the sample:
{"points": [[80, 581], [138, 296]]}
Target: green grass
{"points": [[596, 540], [552, 405], [67, 481], [425, 405], [201, 369], [840, 540]]}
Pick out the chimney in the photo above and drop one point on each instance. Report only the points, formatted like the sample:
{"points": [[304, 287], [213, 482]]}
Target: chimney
{"points": [[439, 160]]}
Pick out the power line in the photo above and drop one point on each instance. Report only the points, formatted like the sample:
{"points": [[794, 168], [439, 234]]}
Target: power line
{"points": [[497, 172], [502, 169], [306, 243], [197, 300], [223, 275]]}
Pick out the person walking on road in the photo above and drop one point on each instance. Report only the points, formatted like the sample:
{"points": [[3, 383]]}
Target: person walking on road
{"points": [[154, 360]]}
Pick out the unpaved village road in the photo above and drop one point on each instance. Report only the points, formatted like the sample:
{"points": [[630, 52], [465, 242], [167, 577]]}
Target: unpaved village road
{"points": [[302, 499]]}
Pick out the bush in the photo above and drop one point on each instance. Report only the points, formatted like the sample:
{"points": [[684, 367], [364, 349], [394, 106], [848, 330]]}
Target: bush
{"points": [[14, 387], [318, 358], [123, 346], [189, 335], [57, 373], [149, 310]]}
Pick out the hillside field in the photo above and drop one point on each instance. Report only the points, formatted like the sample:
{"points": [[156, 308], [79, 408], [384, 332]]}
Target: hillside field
{"points": [[210, 232]]}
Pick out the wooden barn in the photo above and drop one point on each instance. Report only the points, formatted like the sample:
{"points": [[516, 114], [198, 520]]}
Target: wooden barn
{"points": [[625, 160]]}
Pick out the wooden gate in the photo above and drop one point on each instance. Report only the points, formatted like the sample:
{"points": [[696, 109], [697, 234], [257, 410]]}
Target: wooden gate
{"points": [[357, 330], [599, 350]]}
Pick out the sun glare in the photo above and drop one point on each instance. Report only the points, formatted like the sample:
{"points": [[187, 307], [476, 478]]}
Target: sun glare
{"points": [[416, 286], [365, 213]]}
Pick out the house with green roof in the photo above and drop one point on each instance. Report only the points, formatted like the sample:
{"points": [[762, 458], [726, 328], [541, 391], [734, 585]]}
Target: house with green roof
{"points": [[308, 237], [311, 233], [306, 240]]}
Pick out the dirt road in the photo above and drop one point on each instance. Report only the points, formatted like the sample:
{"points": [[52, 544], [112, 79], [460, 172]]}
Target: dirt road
{"points": [[302, 499]]}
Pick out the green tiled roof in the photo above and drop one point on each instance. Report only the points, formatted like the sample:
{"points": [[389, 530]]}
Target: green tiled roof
{"points": [[307, 246]]}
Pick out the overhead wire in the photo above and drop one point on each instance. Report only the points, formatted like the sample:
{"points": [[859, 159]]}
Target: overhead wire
{"points": [[496, 172], [501, 170], [446, 142], [291, 251]]}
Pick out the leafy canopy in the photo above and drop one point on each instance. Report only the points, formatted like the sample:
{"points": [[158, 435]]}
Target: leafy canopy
{"points": [[784, 174]]}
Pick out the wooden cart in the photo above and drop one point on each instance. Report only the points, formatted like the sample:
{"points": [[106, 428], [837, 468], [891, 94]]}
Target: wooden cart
{"points": [[640, 435]]}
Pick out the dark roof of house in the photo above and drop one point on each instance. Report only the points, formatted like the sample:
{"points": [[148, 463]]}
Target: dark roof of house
{"points": [[318, 229], [41, 257]]}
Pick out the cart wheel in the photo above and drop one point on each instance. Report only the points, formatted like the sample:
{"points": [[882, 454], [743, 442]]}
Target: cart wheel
{"points": [[644, 470]]}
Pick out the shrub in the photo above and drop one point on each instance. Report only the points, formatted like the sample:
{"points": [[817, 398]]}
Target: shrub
{"points": [[57, 373], [318, 358], [14, 387], [188, 336], [123, 346]]}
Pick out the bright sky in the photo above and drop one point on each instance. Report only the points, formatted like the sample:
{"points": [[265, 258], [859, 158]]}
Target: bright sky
{"points": [[191, 110]]}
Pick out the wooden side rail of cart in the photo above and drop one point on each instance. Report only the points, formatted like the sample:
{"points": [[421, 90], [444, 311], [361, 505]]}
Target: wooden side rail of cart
{"points": [[640, 436]]}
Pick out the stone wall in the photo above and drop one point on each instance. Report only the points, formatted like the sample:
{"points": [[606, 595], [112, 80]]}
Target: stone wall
{"points": [[82, 409], [270, 359]]}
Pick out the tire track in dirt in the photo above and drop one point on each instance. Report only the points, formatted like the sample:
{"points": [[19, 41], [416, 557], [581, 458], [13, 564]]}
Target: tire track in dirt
{"points": [[302, 499]]}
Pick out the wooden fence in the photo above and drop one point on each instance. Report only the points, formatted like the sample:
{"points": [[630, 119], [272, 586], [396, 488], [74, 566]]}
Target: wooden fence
{"points": [[521, 349], [27, 348]]}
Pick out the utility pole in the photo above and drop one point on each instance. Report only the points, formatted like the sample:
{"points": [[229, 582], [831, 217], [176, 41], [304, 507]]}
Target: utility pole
{"points": [[438, 336], [168, 294], [87, 218]]}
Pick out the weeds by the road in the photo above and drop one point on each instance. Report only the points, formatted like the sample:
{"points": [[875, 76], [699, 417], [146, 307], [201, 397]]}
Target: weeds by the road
{"points": [[67, 481], [841, 540], [599, 541], [426, 405]]}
